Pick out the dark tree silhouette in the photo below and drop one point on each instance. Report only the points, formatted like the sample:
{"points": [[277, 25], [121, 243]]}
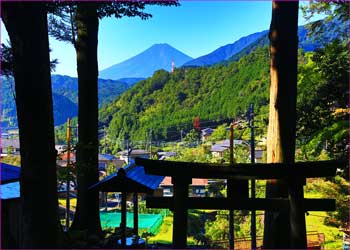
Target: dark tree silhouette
{"points": [[87, 212], [85, 28], [26, 24]]}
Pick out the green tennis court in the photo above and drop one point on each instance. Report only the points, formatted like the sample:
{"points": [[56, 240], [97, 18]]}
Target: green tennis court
{"points": [[148, 222]]}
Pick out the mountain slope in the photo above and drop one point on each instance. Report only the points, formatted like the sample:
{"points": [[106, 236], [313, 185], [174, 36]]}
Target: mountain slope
{"points": [[245, 45], [108, 90], [167, 103], [225, 52], [65, 97], [307, 43], [143, 65]]}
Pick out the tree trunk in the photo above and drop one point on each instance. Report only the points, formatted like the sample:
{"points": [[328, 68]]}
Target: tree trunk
{"points": [[282, 118], [87, 215], [26, 24]]}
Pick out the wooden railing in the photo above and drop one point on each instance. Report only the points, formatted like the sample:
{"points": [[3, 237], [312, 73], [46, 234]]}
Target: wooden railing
{"points": [[292, 174]]}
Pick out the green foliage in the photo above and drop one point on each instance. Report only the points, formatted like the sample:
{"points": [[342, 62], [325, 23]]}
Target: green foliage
{"points": [[218, 229], [220, 133], [144, 210], [191, 137], [322, 89], [334, 11], [167, 103], [14, 160], [339, 189], [111, 169]]}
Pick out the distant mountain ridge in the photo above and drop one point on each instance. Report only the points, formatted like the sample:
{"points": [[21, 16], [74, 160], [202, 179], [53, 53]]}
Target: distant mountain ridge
{"points": [[143, 65], [245, 45], [65, 97], [305, 42], [226, 51]]}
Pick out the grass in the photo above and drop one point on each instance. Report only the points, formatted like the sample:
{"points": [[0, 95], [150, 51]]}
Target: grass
{"points": [[314, 221], [333, 237], [165, 235], [73, 203]]}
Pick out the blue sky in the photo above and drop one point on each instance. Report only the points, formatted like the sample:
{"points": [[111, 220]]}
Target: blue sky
{"points": [[195, 28]]}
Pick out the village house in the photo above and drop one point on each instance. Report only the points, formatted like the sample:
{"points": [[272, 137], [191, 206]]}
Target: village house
{"points": [[103, 161], [165, 155], [197, 188], [205, 133], [129, 156], [217, 150]]}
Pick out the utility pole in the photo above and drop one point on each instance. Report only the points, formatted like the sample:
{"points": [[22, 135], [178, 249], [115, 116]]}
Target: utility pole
{"points": [[150, 144], [229, 193], [128, 150], [68, 175], [252, 160], [104, 138]]}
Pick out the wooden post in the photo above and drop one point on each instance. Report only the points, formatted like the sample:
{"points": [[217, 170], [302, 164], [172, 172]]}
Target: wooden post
{"points": [[123, 221], [68, 175], [180, 211], [252, 160], [297, 214], [136, 213], [230, 191], [282, 112]]}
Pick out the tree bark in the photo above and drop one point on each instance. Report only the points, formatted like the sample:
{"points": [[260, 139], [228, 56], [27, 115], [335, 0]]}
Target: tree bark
{"points": [[282, 117], [26, 24], [87, 215]]}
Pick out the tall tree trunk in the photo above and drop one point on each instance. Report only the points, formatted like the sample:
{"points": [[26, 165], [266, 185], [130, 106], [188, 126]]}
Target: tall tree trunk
{"points": [[87, 215], [282, 118], [26, 24]]}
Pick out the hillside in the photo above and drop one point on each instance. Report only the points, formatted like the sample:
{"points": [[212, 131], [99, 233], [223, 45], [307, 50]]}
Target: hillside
{"points": [[245, 45], [143, 65], [226, 51], [167, 102], [65, 97]]}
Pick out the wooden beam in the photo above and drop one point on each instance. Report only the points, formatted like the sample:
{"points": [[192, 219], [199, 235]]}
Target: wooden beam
{"points": [[180, 211], [136, 214], [296, 214], [241, 204], [241, 170], [123, 220]]}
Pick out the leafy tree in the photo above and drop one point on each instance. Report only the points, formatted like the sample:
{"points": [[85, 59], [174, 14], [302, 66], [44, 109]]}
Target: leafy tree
{"points": [[7, 61], [322, 84], [334, 10], [84, 36], [191, 137], [26, 24], [339, 189], [220, 133]]}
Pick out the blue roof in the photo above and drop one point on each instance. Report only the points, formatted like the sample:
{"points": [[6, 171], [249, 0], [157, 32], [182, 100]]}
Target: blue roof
{"points": [[9, 173], [131, 178], [137, 173], [9, 191]]}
